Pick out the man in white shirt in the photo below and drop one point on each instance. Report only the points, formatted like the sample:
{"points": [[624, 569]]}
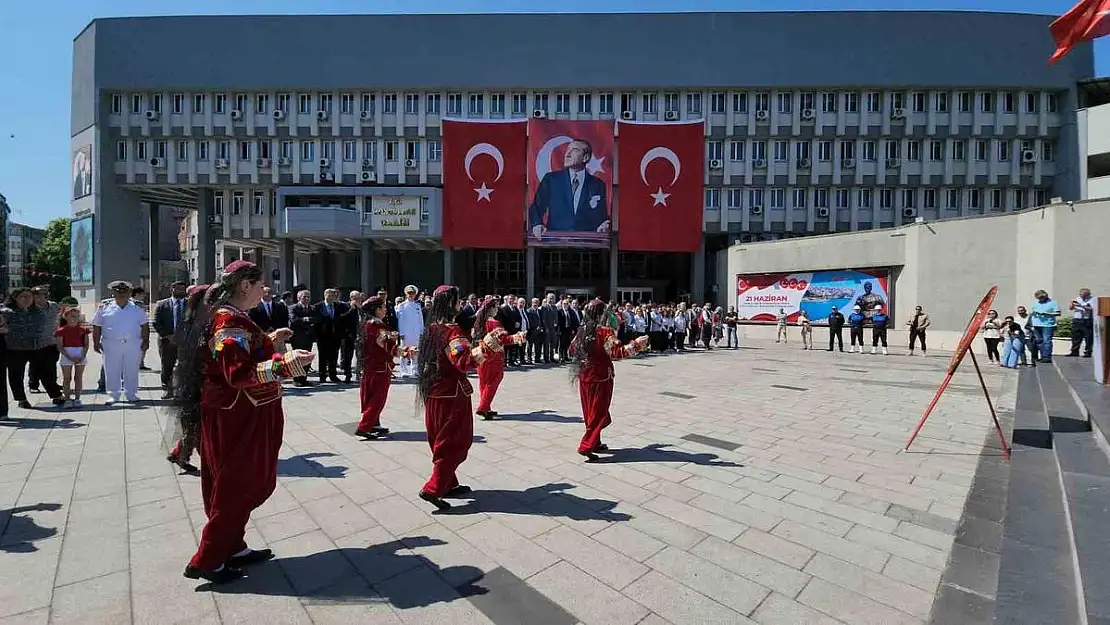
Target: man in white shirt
{"points": [[1082, 322], [121, 333], [410, 324]]}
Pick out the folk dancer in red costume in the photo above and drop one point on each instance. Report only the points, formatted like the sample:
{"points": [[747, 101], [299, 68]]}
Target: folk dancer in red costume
{"points": [[380, 346], [488, 331], [593, 350], [445, 356], [229, 375], [188, 438]]}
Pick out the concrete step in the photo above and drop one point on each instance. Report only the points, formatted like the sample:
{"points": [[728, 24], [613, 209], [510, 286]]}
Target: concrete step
{"points": [[1036, 576], [1074, 403]]}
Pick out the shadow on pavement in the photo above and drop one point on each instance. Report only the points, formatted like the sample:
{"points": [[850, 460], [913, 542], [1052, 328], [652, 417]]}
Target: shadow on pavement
{"points": [[658, 453], [419, 437], [19, 533], [304, 465], [549, 500], [40, 424], [333, 577], [538, 416]]}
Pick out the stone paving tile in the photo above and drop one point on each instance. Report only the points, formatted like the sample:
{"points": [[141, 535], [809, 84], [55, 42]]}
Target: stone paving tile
{"points": [[816, 518]]}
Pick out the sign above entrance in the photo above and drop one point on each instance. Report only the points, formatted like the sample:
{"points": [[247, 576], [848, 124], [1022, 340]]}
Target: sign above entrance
{"points": [[394, 213]]}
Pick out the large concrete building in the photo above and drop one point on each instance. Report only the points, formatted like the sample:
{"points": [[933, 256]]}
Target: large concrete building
{"points": [[22, 242], [814, 123]]}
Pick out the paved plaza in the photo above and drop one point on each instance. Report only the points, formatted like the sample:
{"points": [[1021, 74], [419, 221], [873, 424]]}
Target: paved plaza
{"points": [[760, 485]]}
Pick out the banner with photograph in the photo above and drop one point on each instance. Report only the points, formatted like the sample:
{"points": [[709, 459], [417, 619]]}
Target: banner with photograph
{"points": [[570, 182], [81, 251], [760, 296], [82, 172]]}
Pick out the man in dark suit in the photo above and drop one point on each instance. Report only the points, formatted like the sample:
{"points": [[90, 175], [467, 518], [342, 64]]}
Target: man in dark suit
{"points": [[509, 318], [549, 320], [570, 199], [168, 313], [270, 313], [467, 312], [390, 318], [573, 320], [331, 323], [352, 322], [302, 321], [534, 351]]}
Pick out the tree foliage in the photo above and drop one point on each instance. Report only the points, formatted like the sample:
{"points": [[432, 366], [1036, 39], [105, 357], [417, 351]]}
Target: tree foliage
{"points": [[49, 264]]}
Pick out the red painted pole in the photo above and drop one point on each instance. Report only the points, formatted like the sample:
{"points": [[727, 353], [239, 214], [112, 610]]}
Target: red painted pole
{"points": [[994, 415]]}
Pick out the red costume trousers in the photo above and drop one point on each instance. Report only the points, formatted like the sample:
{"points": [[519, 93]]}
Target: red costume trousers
{"points": [[372, 393], [239, 455], [449, 422], [596, 397], [490, 373]]}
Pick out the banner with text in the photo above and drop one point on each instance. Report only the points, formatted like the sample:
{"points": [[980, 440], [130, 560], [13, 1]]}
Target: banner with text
{"points": [[394, 213], [484, 183], [761, 296], [570, 182]]}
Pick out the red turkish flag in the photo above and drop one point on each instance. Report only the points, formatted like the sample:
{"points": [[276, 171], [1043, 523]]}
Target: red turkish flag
{"points": [[484, 183], [1090, 19], [661, 170]]}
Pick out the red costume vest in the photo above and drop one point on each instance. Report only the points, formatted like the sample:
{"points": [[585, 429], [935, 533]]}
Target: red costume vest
{"points": [[597, 366], [241, 362], [457, 357], [379, 346]]}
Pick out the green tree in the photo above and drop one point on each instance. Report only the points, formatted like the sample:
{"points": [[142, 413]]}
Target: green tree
{"points": [[49, 264]]}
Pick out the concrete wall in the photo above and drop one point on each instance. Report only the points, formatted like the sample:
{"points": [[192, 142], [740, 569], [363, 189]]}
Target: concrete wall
{"points": [[946, 267], [1093, 124]]}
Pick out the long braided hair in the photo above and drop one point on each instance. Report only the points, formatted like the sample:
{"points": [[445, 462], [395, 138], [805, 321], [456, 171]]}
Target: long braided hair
{"points": [[195, 330], [584, 341], [445, 304], [485, 312]]}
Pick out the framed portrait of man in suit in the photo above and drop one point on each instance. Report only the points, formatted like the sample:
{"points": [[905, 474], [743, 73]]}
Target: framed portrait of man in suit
{"points": [[570, 180], [82, 172]]}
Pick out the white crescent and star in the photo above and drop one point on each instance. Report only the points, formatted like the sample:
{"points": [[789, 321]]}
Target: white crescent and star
{"points": [[490, 150], [659, 197]]}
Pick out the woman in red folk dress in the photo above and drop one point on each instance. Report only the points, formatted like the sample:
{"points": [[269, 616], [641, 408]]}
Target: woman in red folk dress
{"points": [[445, 357], [229, 376], [593, 350], [491, 371], [380, 346]]}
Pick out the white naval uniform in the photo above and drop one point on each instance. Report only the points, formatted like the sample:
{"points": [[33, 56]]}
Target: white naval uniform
{"points": [[121, 340], [410, 324]]}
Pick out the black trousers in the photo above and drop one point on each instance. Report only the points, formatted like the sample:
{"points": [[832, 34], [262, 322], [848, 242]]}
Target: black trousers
{"points": [[1082, 330], [43, 365], [920, 336], [167, 352], [3, 385], [550, 343], [536, 344], [329, 356], [855, 333], [34, 374], [836, 334], [878, 335], [564, 343], [680, 340], [347, 355], [992, 349]]}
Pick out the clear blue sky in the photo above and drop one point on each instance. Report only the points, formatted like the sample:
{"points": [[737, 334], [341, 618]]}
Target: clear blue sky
{"points": [[36, 49]]}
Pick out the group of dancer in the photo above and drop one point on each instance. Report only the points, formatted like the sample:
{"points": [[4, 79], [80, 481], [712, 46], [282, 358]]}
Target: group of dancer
{"points": [[228, 396]]}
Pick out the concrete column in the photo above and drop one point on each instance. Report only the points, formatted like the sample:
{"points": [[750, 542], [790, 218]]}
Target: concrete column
{"points": [[697, 275], [288, 262], [154, 250], [614, 266], [257, 257], [448, 265], [530, 271], [316, 276], [366, 266], [206, 238]]}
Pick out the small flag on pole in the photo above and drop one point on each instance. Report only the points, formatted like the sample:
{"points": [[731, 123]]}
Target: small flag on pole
{"points": [[1090, 19]]}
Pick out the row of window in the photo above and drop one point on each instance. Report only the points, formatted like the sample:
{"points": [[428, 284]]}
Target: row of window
{"points": [[251, 150], [955, 198], [477, 104], [262, 203], [982, 150]]}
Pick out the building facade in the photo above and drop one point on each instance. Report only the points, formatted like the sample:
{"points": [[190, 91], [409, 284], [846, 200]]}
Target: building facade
{"points": [[1093, 121], [814, 123], [22, 242], [5, 217]]}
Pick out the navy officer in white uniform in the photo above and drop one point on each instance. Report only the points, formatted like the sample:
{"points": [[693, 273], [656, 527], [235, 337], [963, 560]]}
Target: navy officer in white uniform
{"points": [[121, 333]]}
